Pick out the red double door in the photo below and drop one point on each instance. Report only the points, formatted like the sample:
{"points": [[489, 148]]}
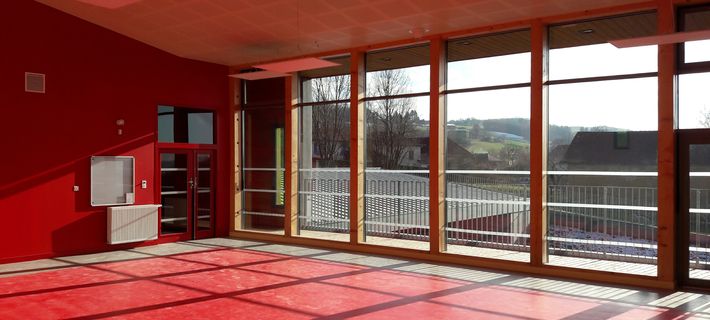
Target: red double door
{"points": [[187, 193]]}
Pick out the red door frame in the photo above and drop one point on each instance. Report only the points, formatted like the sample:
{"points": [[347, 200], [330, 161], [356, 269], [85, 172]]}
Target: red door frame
{"points": [[191, 150]]}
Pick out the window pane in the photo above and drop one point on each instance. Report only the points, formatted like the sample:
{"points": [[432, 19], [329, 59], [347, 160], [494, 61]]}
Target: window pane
{"points": [[398, 71], [698, 205], [581, 49], [487, 177], [602, 185], [199, 126], [397, 173], [493, 71], [697, 19], [697, 51], [166, 118], [324, 187], [327, 84], [488, 60], [694, 101], [618, 105], [601, 60], [263, 173], [182, 125]]}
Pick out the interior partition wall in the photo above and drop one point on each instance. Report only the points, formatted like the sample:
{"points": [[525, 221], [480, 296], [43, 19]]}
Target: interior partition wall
{"points": [[533, 149]]}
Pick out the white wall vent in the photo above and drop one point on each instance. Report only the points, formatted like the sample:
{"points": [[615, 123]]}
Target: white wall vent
{"points": [[34, 82]]}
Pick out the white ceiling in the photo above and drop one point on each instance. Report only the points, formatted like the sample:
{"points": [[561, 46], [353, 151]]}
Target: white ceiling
{"points": [[237, 32]]}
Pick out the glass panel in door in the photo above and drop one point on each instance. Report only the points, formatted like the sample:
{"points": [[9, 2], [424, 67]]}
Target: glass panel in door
{"points": [[699, 211], [174, 193], [205, 192]]}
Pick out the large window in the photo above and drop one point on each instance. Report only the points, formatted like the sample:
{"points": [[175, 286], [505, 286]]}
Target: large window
{"points": [[183, 125], [324, 162], [397, 147], [602, 151], [693, 94], [488, 146]]}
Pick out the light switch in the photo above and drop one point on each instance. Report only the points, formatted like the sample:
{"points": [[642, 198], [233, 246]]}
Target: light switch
{"points": [[144, 184], [76, 188]]}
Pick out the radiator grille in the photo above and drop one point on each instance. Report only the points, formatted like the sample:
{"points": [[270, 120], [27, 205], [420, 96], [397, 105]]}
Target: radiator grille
{"points": [[132, 223]]}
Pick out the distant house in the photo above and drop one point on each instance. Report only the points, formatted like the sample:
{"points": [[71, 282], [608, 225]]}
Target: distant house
{"points": [[621, 151], [612, 151], [458, 158]]}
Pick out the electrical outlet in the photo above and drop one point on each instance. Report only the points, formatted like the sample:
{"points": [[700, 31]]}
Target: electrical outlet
{"points": [[144, 184], [76, 188]]}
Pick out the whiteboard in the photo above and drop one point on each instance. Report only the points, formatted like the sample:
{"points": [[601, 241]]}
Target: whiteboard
{"points": [[112, 180]]}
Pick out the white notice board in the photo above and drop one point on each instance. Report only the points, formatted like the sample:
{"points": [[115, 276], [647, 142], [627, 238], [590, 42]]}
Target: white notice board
{"points": [[112, 180]]}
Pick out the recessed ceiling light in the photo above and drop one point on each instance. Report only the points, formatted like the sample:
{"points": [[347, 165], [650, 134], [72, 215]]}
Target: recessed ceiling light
{"points": [[586, 31], [419, 32], [386, 59], [465, 43]]}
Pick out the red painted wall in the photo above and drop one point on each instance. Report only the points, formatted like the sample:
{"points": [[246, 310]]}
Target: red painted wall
{"points": [[94, 77]]}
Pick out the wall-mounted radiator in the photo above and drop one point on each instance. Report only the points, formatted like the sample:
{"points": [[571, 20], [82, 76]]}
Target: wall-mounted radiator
{"points": [[132, 223]]}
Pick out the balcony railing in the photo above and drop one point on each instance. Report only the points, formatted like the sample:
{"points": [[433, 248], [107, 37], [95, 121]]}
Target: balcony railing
{"points": [[491, 209]]}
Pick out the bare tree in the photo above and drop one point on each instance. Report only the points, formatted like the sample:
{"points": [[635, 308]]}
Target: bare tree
{"points": [[391, 123], [705, 118], [330, 120]]}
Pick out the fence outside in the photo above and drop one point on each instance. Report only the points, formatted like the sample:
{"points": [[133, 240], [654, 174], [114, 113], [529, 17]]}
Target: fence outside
{"points": [[491, 209]]}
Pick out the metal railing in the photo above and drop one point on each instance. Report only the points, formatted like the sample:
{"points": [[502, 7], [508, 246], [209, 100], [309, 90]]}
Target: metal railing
{"points": [[488, 209], [492, 209]]}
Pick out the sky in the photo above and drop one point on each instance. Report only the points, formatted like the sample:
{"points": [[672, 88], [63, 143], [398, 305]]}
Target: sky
{"points": [[623, 104]]}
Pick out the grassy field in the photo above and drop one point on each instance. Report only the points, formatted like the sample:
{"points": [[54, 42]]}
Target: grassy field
{"points": [[478, 146]]}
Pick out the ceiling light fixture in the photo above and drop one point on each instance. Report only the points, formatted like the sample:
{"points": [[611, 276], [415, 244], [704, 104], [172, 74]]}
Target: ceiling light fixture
{"points": [[586, 31], [110, 4], [676, 37], [286, 67], [419, 32], [296, 65], [258, 75]]}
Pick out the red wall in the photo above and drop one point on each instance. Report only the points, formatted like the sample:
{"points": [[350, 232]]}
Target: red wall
{"points": [[94, 77]]}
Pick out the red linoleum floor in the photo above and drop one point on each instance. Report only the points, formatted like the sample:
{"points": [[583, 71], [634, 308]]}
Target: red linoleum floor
{"points": [[245, 284]]}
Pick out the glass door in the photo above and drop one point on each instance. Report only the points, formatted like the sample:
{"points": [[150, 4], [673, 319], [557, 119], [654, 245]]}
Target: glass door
{"points": [[187, 194], [694, 209]]}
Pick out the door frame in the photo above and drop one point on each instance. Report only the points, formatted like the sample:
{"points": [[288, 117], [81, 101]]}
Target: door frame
{"points": [[191, 150], [684, 139]]}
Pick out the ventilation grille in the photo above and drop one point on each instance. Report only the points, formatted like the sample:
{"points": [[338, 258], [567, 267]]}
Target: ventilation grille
{"points": [[34, 82]]}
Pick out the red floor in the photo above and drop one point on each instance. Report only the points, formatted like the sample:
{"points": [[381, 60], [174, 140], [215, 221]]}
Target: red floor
{"points": [[242, 284]]}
